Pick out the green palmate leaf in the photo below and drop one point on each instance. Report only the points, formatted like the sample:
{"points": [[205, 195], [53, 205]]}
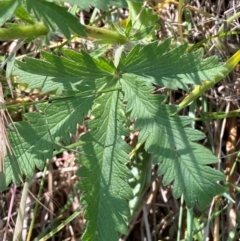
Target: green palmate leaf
{"points": [[34, 141], [170, 68], [104, 4], [182, 161], [59, 73], [56, 15], [142, 18], [47, 83], [24, 15], [104, 173], [7, 9]]}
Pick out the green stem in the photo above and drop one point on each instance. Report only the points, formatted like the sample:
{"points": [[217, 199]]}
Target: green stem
{"points": [[189, 224], [39, 29], [219, 42], [16, 32], [106, 35], [21, 213], [180, 217], [180, 31], [37, 203], [219, 115]]}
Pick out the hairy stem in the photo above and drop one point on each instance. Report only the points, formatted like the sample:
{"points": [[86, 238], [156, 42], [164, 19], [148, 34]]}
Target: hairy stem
{"points": [[106, 35], [27, 31]]}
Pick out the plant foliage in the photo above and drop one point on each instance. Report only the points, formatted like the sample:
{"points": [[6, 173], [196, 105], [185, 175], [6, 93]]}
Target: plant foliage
{"points": [[109, 94], [112, 93]]}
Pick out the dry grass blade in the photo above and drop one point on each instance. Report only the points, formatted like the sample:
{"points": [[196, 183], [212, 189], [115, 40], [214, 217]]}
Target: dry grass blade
{"points": [[4, 142]]}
